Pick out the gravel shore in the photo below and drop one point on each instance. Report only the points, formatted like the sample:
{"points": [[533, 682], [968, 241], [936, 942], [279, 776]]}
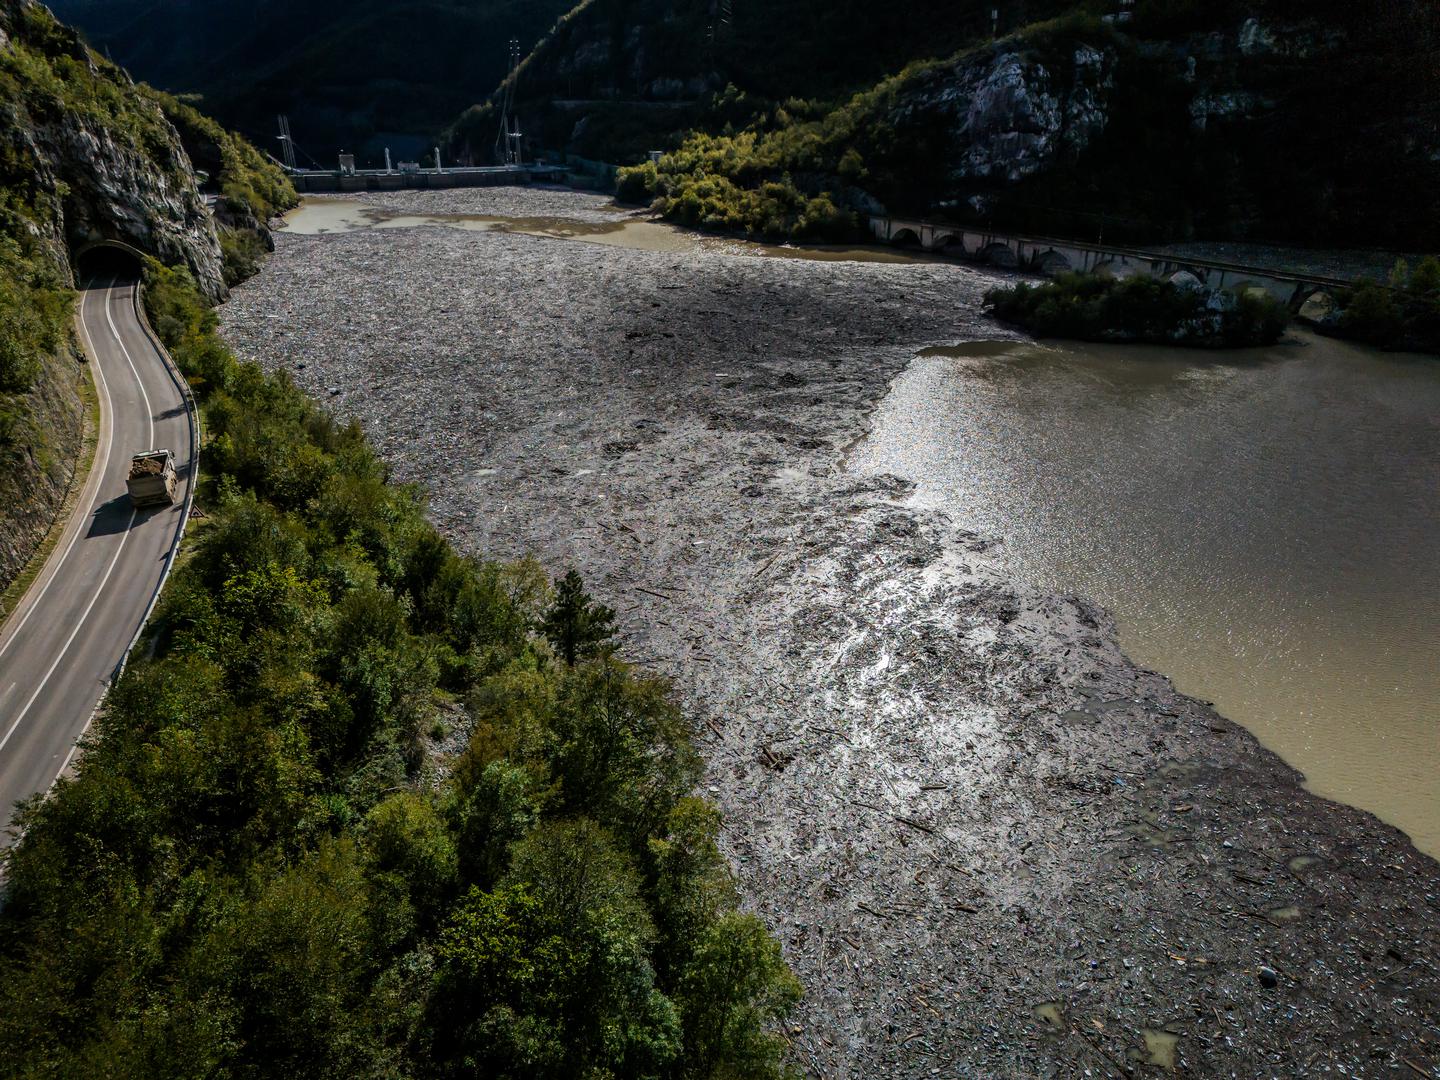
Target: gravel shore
{"points": [[511, 202], [990, 844]]}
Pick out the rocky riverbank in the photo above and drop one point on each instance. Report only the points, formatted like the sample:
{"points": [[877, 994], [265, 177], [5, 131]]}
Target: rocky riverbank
{"points": [[990, 844]]}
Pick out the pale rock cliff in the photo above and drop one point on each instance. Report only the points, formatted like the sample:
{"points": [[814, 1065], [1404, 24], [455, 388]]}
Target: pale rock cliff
{"points": [[1007, 114], [105, 186]]}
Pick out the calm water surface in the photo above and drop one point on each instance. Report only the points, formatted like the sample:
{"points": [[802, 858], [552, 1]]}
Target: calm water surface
{"points": [[322, 215], [1266, 528]]}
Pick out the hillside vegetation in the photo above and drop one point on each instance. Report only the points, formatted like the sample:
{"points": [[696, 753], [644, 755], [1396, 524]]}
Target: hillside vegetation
{"points": [[1092, 307], [257, 870], [252, 188], [350, 75], [86, 155], [1402, 312], [1251, 119]]}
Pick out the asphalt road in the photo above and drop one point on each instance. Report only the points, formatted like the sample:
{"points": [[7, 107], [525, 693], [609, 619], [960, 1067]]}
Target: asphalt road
{"points": [[64, 642]]}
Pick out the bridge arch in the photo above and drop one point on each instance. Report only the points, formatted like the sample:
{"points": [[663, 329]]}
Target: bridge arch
{"points": [[1316, 305], [1117, 268], [999, 254], [905, 237], [948, 243], [1052, 263], [108, 258]]}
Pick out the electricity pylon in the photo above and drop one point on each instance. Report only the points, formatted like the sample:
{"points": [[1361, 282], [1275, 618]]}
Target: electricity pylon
{"points": [[508, 148], [287, 144]]}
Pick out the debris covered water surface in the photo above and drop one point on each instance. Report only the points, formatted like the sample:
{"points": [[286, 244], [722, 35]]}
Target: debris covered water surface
{"points": [[990, 845]]}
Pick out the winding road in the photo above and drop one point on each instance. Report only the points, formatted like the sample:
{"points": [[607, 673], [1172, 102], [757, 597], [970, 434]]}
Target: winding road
{"points": [[71, 632]]}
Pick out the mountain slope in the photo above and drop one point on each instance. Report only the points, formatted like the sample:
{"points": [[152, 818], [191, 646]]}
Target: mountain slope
{"points": [[1314, 123], [581, 86], [352, 75], [88, 157]]}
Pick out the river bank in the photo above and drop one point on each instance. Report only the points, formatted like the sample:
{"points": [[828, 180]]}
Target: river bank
{"points": [[991, 845]]}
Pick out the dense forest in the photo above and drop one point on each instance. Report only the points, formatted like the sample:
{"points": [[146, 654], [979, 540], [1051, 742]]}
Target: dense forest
{"points": [[351, 75], [360, 806], [264, 868]]}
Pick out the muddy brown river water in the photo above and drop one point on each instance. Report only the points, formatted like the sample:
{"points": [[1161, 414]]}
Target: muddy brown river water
{"points": [[1265, 528]]}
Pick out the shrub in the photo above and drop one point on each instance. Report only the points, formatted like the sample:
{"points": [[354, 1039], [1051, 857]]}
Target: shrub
{"points": [[1141, 309], [1403, 313], [637, 183], [243, 252]]}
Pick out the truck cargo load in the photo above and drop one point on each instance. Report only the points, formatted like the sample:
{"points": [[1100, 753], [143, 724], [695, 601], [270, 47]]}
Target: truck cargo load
{"points": [[152, 479]]}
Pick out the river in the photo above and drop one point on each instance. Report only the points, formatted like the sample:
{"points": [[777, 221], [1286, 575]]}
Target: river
{"points": [[1263, 526], [975, 827]]}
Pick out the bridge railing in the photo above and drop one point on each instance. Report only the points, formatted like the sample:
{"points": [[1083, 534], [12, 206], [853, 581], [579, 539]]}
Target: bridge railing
{"points": [[916, 225]]}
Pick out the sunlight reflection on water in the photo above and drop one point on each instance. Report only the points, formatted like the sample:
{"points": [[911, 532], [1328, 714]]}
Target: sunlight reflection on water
{"points": [[1263, 525]]}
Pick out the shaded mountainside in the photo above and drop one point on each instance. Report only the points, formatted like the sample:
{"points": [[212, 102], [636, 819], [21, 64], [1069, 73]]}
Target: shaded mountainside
{"points": [[86, 157], [1313, 123], [351, 75], [580, 89]]}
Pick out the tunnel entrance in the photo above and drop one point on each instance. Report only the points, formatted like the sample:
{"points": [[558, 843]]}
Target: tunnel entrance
{"points": [[101, 262]]}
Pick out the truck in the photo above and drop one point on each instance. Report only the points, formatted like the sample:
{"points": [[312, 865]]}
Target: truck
{"points": [[152, 479]]}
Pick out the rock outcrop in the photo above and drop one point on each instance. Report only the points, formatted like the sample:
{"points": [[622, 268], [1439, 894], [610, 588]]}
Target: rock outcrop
{"points": [[107, 162], [1005, 115], [85, 159]]}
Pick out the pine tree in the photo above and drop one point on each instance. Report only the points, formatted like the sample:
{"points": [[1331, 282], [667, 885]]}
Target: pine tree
{"points": [[576, 625]]}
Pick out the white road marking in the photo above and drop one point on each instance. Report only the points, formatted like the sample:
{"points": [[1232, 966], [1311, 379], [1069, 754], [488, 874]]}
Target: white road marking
{"points": [[149, 411], [125, 538], [99, 468], [75, 746]]}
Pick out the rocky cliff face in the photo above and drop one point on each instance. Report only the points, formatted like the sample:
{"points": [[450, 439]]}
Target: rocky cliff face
{"points": [[85, 158], [1316, 127], [1005, 115], [102, 156], [116, 192]]}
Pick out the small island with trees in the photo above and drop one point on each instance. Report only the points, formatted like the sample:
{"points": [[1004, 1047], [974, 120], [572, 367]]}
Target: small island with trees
{"points": [[1093, 307]]}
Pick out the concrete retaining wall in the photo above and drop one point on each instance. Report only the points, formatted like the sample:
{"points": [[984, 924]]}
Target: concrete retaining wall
{"points": [[322, 182]]}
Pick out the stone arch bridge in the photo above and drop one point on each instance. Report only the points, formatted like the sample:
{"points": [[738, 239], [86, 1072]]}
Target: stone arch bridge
{"points": [[1049, 256]]}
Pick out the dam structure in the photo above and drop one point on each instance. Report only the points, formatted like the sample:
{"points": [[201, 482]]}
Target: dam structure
{"points": [[345, 179]]}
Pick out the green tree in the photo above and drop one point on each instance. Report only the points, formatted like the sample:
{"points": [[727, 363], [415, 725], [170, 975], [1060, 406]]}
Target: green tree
{"points": [[619, 748], [576, 625], [406, 836], [290, 952], [732, 995], [691, 883], [549, 975]]}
